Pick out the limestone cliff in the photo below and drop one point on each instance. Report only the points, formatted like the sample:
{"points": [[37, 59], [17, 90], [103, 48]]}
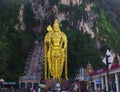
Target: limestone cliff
{"points": [[45, 12], [20, 25]]}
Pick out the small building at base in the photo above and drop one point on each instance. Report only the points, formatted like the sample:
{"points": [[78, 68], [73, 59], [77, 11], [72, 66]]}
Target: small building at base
{"points": [[28, 81], [99, 79]]}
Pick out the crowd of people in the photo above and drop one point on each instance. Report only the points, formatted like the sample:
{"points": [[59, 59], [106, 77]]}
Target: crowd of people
{"points": [[72, 88]]}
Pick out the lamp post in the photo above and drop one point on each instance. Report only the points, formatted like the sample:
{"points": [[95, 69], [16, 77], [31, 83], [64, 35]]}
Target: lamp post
{"points": [[107, 66], [108, 59]]}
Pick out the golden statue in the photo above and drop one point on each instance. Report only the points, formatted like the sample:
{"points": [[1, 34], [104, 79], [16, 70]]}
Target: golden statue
{"points": [[55, 52]]}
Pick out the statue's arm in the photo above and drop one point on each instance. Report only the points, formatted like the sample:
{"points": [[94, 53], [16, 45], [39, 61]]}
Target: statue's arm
{"points": [[64, 41], [45, 49], [65, 53], [45, 58]]}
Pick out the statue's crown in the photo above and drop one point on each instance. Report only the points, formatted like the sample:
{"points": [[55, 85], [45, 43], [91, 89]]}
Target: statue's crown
{"points": [[56, 23]]}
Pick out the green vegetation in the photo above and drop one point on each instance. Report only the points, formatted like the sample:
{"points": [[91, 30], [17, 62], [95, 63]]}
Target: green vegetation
{"points": [[81, 51], [14, 44], [107, 35]]}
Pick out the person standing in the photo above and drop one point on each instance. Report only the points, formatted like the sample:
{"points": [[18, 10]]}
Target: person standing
{"points": [[39, 89]]}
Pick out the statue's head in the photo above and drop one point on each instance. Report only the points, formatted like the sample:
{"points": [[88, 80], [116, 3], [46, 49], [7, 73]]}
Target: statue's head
{"points": [[56, 26]]}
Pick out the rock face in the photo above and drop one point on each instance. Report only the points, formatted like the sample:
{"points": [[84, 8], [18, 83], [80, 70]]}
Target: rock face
{"points": [[86, 22], [71, 2], [21, 25], [45, 12]]}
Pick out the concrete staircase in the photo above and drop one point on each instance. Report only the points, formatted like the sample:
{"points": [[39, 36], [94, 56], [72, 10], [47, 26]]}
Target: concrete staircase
{"points": [[34, 64]]}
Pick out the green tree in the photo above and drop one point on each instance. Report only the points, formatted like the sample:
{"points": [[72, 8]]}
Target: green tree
{"points": [[14, 44], [107, 35], [81, 51], [4, 55]]}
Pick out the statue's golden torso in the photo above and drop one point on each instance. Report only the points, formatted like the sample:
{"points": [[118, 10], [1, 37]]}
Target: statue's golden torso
{"points": [[56, 39]]}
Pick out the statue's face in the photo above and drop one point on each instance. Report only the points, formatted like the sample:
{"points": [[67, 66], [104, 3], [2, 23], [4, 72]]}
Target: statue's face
{"points": [[56, 29]]}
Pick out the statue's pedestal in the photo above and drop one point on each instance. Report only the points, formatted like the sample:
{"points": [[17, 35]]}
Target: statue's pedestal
{"points": [[50, 83], [65, 84]]}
